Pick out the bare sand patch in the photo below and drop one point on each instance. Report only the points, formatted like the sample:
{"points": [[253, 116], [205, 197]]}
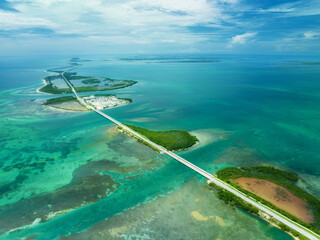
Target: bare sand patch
{"points": [[143, 119], [207, 136], [220, 221], [277, 195], [199, 216], [70, 105], [117, 230]]}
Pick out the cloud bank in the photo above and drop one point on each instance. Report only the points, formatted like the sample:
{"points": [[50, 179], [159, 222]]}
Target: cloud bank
{"points": [[151, 26]]}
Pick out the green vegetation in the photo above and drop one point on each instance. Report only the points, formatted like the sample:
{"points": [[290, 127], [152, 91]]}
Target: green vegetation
{"points": [[171, 140], [50, 78], [127, 99], [50, 88], [97, 88], [55, 71], [59, 100], [267, 173], [72, 75], [121, 84], [283, 178], [91, 81], [233, 200], [74, 61], [139, 140], [285, 228]]}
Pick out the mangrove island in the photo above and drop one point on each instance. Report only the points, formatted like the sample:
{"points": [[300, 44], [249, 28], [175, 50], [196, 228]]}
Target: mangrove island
{"points": [[172, 140], [276, 189], [55, 84]]}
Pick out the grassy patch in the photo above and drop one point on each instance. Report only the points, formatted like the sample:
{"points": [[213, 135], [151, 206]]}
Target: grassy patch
{"points": [[91, 81], [59, 100], [171, 140], [233, 200], [50, 78], [50, 88]]}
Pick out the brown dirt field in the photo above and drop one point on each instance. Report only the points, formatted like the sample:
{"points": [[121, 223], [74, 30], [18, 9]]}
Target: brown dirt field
{"points": [[277, 195], [70, 105]]}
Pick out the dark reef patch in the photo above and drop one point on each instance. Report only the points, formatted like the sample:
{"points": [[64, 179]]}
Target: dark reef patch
{"points": [[6, 188], [87, 186]]}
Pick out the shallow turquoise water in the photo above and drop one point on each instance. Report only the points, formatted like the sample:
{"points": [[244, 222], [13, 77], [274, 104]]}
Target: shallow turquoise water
{"points": [[266, 110]]}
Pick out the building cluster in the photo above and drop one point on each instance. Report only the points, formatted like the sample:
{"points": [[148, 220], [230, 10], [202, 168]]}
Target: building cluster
{"points": [[103, 102]]}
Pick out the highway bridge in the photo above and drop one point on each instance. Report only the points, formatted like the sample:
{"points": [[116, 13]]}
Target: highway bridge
{"points": [[211, 179]]}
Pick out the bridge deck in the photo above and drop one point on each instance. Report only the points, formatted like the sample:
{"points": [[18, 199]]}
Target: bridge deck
{"points": [[301, 229]]}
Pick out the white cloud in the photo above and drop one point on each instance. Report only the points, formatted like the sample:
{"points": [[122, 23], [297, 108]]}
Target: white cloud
{"points": [[139, 24], [13, 20], [281, 8], [310, 34], [295, 9], [106, 17], [241, 38], [276, 10], [125, 13], [123, 22]]}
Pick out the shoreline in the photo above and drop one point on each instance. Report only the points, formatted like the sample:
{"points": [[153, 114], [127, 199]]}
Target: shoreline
{"points": [[70, 110], [45, 84], [276, 225], [287, 180], [206, 137], [145, 144], [64, 110], [260, 214], [171, 140]]}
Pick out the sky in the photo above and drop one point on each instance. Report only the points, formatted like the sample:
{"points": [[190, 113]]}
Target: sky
{"points": [[159, 26]]}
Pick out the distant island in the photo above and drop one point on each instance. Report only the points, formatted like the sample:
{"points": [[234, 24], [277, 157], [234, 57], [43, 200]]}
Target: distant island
{"points": [[172, 140], [274, 188], [55, 84], [98, 101], [63, 81]]}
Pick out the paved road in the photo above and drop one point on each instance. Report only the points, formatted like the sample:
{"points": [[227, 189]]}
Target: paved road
{"points": [[304, 231], [74, 91]]}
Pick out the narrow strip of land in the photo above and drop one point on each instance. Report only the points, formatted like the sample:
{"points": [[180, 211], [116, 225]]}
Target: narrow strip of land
{"points": [[299, 228]]}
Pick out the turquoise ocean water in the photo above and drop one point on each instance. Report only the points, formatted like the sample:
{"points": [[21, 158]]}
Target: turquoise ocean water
{"points": [[67, 175]]}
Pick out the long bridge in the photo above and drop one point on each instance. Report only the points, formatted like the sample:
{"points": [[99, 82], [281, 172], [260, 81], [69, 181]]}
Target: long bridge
{"points": [[211, 179]]}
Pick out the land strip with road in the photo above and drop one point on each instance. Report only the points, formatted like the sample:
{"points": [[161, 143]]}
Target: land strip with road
{"points": [[211, 178]]}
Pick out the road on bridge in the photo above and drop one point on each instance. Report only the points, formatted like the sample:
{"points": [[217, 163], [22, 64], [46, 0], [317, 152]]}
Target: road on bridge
{"points": [[299, 228]]}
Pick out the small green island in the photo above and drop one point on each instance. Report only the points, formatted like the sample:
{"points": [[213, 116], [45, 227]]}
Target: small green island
{"points": [[276, 189], [58, 100], [172, 140], [55, 84]]}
